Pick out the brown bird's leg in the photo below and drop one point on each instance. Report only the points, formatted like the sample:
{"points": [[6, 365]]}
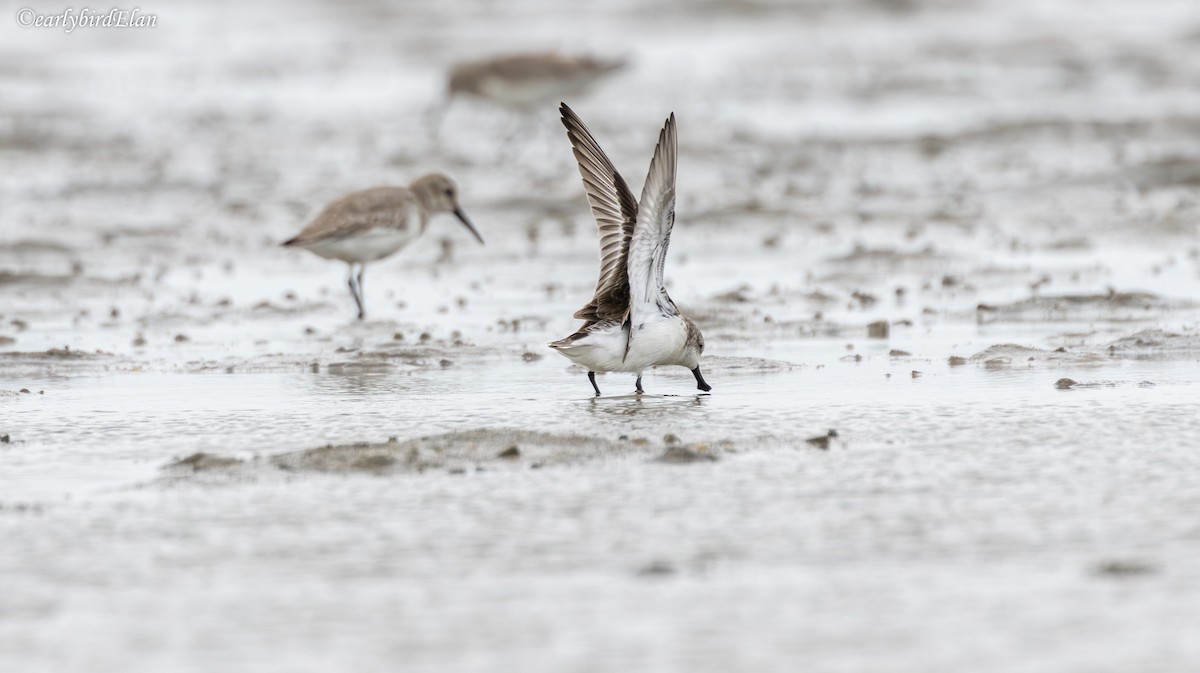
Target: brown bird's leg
{"points": [[637, 386], [592, 378], [362, 297], [354, 292]]}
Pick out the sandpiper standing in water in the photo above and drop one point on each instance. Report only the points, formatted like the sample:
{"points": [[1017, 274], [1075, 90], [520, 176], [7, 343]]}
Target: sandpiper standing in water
{"points": [[522, 82], [371, 224], [631, 323]]}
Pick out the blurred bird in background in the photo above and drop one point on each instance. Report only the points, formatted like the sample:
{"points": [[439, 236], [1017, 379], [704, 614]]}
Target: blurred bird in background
{"points": [[523, 82]]}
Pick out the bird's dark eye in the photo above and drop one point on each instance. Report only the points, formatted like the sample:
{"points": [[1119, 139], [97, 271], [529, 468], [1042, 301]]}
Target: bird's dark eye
{"points": [[449, 192]]}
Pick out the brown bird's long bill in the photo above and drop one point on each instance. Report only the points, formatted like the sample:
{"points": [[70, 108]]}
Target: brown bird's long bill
{"points": [[467, 223]]}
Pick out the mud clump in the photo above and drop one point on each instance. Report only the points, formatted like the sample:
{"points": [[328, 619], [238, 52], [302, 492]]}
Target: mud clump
{"points": [[1166, 172], [748, 365], [864, 299], [1123, 568], [656, 569], [881, 260], [1154, 342], [1113, 307], [1065, 384], [374, 463], [1003, 356], [22, 364], [679, 455], [822, 441], [452, 453], [36, 279], [879, 329], [198, 462]]}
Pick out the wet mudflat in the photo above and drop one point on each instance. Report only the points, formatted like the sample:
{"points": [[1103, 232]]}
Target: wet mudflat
{"points": [[907, 223]]}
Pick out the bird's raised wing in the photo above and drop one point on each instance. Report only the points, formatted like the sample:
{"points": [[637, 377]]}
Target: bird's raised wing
{"points": [[652, 233], [615, 211]]}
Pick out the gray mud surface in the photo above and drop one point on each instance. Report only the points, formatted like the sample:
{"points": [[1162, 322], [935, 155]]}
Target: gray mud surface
{"points": [[910, 223]]}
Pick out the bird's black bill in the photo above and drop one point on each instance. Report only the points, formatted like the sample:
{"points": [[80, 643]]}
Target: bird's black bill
{"points": [[467, 223], [701, 384]]}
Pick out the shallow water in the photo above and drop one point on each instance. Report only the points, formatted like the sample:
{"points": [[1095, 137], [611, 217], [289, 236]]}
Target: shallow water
{"points": [[1004, 183], [89, 433]]}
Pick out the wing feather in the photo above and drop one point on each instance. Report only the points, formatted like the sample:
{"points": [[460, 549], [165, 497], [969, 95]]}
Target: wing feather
{"points": [[652, 233], [615, 211]]}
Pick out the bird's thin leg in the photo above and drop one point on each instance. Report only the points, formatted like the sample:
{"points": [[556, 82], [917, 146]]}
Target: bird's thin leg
{"points": [[637, 385], [355, 293], [362, 297], [592, 378]]}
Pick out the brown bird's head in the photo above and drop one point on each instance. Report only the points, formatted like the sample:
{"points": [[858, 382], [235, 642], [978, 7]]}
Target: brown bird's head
{"points": [[438, 194]]}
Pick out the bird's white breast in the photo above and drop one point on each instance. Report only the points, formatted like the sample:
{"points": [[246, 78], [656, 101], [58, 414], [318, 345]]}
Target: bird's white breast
{"points": [[656, 341], [374, 243], [660, 341], [367, 246]]}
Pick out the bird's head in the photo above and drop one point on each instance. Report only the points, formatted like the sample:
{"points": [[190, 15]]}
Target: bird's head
{"points": [[438, 194], [693, 348]]}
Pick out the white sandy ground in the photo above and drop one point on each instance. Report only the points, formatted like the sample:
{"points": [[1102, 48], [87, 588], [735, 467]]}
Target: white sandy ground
{"points": [[1010, 186]]}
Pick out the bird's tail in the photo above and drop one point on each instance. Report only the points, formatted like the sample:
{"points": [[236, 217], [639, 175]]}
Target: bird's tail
{"points": [[567, 343]]}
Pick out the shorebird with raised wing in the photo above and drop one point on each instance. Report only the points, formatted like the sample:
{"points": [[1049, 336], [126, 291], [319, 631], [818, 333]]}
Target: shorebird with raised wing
{"points": [[371, 224], [631, 323]]}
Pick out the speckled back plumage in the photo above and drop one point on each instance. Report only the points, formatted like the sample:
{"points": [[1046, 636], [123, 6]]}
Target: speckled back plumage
{"points": [[362, 210]]}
